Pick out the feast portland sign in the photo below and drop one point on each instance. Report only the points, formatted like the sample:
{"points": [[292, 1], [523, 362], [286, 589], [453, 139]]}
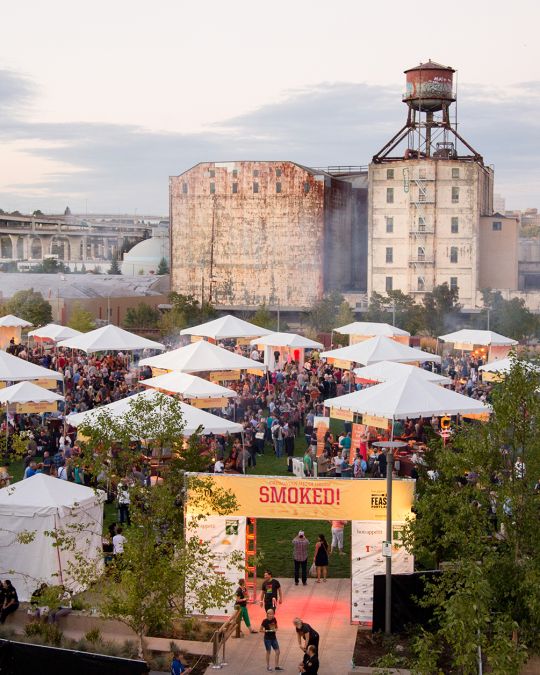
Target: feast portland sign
{"points": [[325, 499]]}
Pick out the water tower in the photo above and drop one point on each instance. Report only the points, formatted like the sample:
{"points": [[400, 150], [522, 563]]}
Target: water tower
{"points": [[429, 131]]}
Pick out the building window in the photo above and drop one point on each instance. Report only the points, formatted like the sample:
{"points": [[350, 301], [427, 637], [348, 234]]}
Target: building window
{"points": [[278, 187], [389, 254], [278, 172], [212, 173], [235, 173], [255, 173], [453, 254], [234, 188], [454, 225], [455, 173], [389, 284], [184, 188], [255, 187], [421, 284], [389, 195], [389, 224], [306, 187], [496, 225], [212, 188], [390, 174], [455, 195], [421, 224], [453, 284], [421, 253]]}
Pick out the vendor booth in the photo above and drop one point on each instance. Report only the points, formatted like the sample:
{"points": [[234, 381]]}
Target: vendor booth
{"points": [[488, 344], [110, 339], [282, 348], [226, 327], [386, 371], [199, 392], [14, 369], [40, 505], [10, 329], [358, 331], [53, 333]]}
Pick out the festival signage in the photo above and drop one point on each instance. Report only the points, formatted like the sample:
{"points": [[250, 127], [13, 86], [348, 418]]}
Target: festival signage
{"points": [[358, 431], [321, 424], [255, 371], [46, 383], [340, 363], [333, 498], [196, 338], [298, 467], [223, 375], [377, 422], [156, 372], [208, 402], [36, 408], [339, 414]]}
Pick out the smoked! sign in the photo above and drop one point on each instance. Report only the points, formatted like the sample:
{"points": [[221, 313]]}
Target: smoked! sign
{"points": [[324, 499]]}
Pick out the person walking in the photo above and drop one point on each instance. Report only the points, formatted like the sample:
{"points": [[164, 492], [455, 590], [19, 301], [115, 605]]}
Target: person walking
{"points": [[300, 555], [124, 501], [270, 592], [337, 536], [241, 601], [321, 558], [269, 628], [307, 636]]}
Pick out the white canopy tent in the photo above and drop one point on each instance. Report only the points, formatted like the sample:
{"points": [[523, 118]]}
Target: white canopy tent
{"points": [[408, 397], [190, 386], [226, 327], [26, 392], [358, 331], [10, 329], [43, 504], [472, 337], [14, 369], [496, 370], [378, 349], [288, 345], [386, 371], [193, 417], [52, 332], [199, 357], [109, 339]]}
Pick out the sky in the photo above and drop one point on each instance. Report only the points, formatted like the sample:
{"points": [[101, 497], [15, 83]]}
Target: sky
{"points": [[101, 102]]}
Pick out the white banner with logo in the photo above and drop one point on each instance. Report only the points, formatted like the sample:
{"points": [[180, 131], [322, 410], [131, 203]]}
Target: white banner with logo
{"points": [[298, 468], [226, 537], [368, 560]]}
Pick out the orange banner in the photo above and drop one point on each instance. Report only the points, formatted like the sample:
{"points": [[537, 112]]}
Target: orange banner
{"points": [[208, 402], [36, 408], [46, 383], [338, 414], [377, 422], [325, 499], [340, 363], [356, 437], [223, 375], [256, 371]]}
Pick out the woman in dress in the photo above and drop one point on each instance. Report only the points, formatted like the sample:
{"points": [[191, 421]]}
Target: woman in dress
{"points": [[321, 558]]}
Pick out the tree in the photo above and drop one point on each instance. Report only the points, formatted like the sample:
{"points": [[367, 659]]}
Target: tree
{"points": [[142, 316], [51, 266], [163, 267], [31, 306], [80, 319], [508, 317], [186, 311], [398, 309], [485, 529], [441, 309], [345, 314], [264, 318], [322, 315], [115, 267]]}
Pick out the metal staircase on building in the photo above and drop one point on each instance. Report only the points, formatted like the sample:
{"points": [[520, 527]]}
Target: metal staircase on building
{"points": [[421, 232]]}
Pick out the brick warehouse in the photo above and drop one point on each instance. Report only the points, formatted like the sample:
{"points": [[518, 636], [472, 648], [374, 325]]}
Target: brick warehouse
{"points": [[247, 233]]}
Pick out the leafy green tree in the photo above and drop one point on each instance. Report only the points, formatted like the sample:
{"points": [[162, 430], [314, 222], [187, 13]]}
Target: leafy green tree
{"points": [[323, 314], [80, 319], [485, 529], [398, 308], [186, 311], [508, 317], [441, 308], [51, 266], [264, 318], [163, 267], [142, 316], [115, 267], [345, 314], [31, 306]]}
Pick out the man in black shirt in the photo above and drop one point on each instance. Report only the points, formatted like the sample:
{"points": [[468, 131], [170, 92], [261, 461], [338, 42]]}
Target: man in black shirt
{"points": [[270, 592], [11, 601], [307, 635], [241, 601], [310, 663]]}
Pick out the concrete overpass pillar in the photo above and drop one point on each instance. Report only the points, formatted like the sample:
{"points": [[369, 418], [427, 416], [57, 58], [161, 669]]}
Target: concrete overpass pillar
{"points": [[46, 246], [74, 248], [14, 246]]}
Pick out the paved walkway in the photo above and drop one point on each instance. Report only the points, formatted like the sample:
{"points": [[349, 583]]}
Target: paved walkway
{"points": [[325, 606]]}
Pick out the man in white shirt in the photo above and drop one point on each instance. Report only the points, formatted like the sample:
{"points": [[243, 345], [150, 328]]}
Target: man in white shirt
{"points": [[219, 467], [254, 354], [118, 542]]}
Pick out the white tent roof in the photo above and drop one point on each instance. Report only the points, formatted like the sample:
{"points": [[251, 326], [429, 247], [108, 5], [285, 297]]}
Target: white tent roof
{"points": [[226, 327], [109, 338], [380, 349], [503, 366], [43, 495], [386, 371], [199, 357], [190, 386], [54, 332], [14, 321], [370, 328], [193, 417], [477, 337], [14, 369], [26, 392], [287, 340], [408, 397]]}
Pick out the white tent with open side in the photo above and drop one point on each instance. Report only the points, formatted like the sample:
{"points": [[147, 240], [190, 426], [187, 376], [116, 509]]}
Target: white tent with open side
{"points": [[228, 326], [53, 332], [471, 337], [109, 339], [193, 417], [10, 329], [199, 357], [379, 349], [26, 392], [287, 346], [43, 504], [409, 397], [190, 386], [14, 369], [358, 331], [386, 371]]}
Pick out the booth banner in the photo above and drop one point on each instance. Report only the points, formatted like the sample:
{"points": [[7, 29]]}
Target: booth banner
{"points": [[196, 338], [312, 499], [321, 422], [226, 537], [358, 431], [340, 363], [223, 375], [368, 560], [339, 414], [298, 467], [256, 371], [156, 372], [464, 346], [36, 408], [46, 383], [209, 402], [377, 422]]}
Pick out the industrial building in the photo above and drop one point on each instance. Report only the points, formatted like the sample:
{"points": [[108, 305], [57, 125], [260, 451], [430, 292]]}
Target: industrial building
{"points": [[249, 233]]}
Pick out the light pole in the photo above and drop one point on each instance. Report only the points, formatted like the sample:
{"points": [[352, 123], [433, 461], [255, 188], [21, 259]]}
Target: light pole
{"points": [[389, 446]]}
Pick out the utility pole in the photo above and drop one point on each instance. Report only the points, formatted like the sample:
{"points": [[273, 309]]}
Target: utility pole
{"points": [[278, 316]]}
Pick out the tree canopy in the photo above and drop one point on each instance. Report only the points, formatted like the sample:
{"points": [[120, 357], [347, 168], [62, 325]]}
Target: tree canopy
{"points": [[142, 316], [80, 319], [31, 306]]}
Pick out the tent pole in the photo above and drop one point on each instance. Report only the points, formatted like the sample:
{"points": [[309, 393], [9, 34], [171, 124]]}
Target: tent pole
{"points": [[58, 555], [388, 594]]}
